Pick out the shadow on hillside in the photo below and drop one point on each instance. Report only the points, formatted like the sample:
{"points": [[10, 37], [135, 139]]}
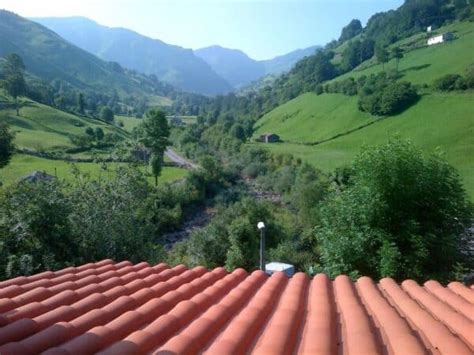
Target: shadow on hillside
{"points": [[375, 121], [416, 68], [18, 122], [29, 104]]}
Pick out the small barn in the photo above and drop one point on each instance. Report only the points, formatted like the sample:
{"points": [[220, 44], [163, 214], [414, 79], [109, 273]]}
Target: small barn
{"points": [[448, 36], [269, 138]]}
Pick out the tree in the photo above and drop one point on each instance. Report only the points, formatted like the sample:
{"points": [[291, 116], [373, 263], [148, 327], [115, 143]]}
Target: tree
{"points": [[356, 53], [60, 102], [237, 131], [155, 131], [14, 83], [34, 229], [350, 31], [447, 82], [81, 103], [6, 144], [397, 53], [13, 63], [396, 97], [107, 114], [90, 131], [470, 77], [404, 214], [46, 225], [99, 133], [382, 55]]}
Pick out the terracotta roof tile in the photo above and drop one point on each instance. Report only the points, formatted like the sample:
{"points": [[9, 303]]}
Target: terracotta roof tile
{"points": [[121, 308]]}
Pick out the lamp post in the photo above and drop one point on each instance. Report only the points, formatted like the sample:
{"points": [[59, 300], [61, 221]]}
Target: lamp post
{"points": [[261, 227]]}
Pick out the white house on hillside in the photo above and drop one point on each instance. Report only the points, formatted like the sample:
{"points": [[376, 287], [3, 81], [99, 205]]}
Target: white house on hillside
{"points": [[448, 36]]}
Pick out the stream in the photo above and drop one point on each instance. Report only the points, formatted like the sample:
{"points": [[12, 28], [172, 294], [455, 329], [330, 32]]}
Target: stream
{"points": [[198, 219]]}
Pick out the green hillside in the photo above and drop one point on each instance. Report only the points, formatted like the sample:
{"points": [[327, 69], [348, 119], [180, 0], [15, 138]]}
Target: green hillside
{"points": [[310, 118], [22, 165], [41, 127], [51, 58], [438, 120], [426, 64], [444, 120]]}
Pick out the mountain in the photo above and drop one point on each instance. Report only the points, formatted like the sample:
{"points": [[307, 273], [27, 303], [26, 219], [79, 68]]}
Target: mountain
{"points": [[172, 64], [232, 64], [240, 70], [49, 57], [284, 63]]}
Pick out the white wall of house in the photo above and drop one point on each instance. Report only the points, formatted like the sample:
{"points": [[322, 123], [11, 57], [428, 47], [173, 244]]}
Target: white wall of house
{"points": [[448, 36], [436, 40]]}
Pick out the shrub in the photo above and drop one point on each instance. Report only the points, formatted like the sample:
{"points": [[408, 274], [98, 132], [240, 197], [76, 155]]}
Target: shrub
{"points": [[319, 89], [106, 114], [7, 146], [391, 99], [447, 82], [49, 225], [403, 215], [34, 230], [469, 77]]}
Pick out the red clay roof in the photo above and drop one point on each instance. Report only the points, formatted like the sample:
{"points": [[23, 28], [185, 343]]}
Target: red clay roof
{"points": [[123, 308]]}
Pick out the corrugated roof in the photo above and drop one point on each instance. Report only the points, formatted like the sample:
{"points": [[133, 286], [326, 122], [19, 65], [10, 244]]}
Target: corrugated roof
{"points": [[119, 308]]}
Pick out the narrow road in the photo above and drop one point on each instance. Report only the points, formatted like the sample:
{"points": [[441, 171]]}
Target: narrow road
{"points": [[180, 160]]}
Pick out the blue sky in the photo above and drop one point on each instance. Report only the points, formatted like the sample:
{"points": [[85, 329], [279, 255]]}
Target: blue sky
{"points": [[261, 28]]}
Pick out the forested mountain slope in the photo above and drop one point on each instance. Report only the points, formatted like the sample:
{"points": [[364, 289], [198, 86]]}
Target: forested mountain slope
{"points": [[50, 57], [172, 64]]}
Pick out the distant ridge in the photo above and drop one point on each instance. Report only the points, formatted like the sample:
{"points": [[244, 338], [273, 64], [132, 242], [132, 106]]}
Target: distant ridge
{"points": [[51, 58], [172, 64], [240, 70]]}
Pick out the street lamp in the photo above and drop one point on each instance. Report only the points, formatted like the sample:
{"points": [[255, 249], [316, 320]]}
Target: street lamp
{"points": [[261, 227]]}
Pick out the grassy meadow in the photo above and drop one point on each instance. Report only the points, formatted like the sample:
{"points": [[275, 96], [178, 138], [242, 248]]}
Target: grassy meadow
{"points": [[22, 165], [311, 118], [442, 121], [438, 121], [44, 128], [426, 64], [41, 127]]}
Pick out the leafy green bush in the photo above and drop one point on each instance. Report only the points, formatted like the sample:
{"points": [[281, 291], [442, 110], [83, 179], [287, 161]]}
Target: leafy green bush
{"points": [[392, 99], [469, 78], [106, 114], [231, 239], [6, 144], [48, 225], [451, 82], [403, 215], [35, 233], [448, 82]]}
